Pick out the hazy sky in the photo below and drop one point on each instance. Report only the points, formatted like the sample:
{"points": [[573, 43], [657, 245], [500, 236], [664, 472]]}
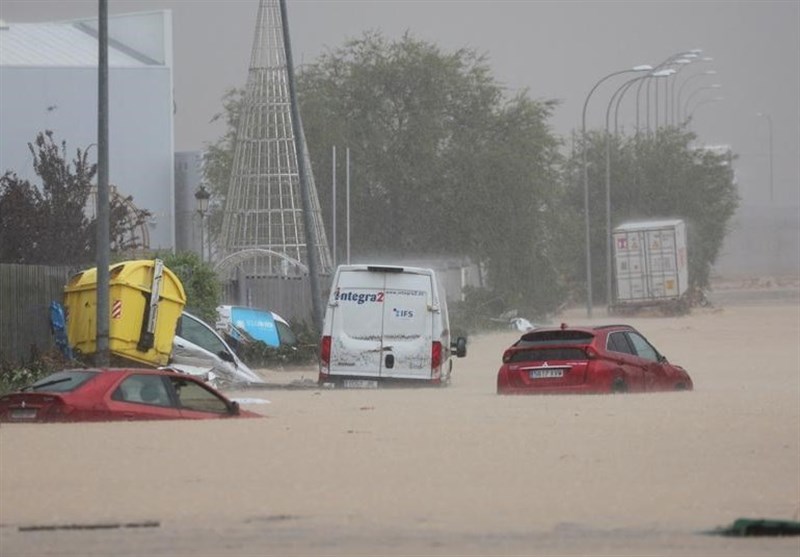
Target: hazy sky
{"points": [[557, 50]]}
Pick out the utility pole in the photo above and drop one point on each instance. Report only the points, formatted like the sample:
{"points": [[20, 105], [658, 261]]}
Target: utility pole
{"points": [[102, 356]]}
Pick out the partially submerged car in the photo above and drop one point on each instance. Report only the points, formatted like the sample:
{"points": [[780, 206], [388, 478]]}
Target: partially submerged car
{"points": [[602, 359], [93, 395], [197, 349], [246, 324]]}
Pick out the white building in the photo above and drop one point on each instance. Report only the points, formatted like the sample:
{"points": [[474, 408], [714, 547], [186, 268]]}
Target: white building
{"points": [[48, 81]]}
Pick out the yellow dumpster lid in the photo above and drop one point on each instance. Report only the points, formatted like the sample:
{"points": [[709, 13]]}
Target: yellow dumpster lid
{"points": [[136, 274]]}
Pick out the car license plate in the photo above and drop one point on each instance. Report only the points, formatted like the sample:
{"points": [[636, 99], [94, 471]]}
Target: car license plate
{"points": [[23, 413], [359, 384], [546, 372]]}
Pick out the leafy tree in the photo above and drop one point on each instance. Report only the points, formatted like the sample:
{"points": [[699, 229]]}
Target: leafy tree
{"points": [[661, 176], [48, 224], [443, 164], [199, 281]]}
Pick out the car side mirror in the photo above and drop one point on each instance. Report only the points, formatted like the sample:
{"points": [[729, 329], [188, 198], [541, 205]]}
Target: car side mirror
{"points": [[234, 409], [459, 347], [225, 355]]}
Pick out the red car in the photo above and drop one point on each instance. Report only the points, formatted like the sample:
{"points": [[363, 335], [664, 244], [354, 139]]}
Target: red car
{"points": [[603, 359], [92, 395]]}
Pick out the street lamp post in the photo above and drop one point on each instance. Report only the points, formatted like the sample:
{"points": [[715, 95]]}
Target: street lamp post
{"points": [[701, 103], [680, 90], [615, 99], [202, 196], [689, 54], [694, 93], [769, 122], [589, 302]]}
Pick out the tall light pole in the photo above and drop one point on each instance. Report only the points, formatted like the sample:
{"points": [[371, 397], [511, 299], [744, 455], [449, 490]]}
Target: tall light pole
{"points": [[680, 90], [202, 196], [669, 91], [701, 103], [663, 65], [103, 238], [769, 121], [589, 302], [617, 97], [694, 94]]}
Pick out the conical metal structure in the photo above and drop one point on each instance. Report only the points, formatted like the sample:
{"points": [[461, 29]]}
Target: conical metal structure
{"points": [[262, 227]]}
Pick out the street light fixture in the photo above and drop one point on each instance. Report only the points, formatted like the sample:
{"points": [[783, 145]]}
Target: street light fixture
{"points": [[640, 68], [202, 196], [693, 53]]}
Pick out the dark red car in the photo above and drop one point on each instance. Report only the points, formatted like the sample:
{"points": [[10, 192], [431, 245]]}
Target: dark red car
{"points": [[603, 359], [92, 395]]}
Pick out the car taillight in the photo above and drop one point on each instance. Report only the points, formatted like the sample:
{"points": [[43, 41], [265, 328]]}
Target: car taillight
{"points": [[325, 352], [507, 356], [591, 353], [436, 356], [58, 411]]}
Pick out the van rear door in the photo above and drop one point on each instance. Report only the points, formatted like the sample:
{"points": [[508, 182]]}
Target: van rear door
{"points": [[357, 324], [407, 326], [381, 324]]}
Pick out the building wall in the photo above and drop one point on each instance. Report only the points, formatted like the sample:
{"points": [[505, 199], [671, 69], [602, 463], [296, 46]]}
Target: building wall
{"points": [[188, 177], [46, 86]]}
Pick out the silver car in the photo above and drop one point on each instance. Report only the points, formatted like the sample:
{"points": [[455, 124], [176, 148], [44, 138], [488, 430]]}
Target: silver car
{"points": [[198, 350]]}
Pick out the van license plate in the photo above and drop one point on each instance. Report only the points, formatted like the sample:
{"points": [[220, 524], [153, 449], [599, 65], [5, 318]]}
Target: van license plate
{"points": [[544, 373], [359, 384]]}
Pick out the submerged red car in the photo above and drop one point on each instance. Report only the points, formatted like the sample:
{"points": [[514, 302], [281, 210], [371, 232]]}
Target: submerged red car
{"points": [[92, 395], [603, 359]]}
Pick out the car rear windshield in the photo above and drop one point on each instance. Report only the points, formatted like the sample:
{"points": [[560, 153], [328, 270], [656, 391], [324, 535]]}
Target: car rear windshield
{"points": [[538, 338], [548, 355], [62, 381]]}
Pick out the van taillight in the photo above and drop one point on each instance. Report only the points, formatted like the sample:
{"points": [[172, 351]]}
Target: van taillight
{"points": [[436, 355], [325, 352]]}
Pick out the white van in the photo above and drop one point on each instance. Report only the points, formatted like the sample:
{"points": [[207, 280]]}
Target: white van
{"points": [[386, 323]]}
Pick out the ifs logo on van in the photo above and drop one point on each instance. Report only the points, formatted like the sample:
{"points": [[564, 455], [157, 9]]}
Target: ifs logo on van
{"points": [[403, 313], [358, 297]]}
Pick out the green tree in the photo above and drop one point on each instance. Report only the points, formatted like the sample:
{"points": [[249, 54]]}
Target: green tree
{"points": [[199, 281], [443, 164], [48, 224], [666, 175]]}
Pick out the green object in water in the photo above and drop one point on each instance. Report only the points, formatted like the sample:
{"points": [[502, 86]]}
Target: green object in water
{"points": [[747, 527]]}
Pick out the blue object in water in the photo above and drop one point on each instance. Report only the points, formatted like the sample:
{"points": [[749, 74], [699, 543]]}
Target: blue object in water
{"points": [[257, 323], [58, 325]]}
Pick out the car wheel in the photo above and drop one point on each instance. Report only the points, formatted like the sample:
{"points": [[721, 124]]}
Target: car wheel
{"points": [[680, 386], [619, 385]]}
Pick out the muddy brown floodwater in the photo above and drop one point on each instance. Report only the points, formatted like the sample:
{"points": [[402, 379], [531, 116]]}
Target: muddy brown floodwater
{"points": [[454, 471]]}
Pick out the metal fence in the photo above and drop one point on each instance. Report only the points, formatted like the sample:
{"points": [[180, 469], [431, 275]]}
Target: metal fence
{"points": [[288, 297], [25, 295]]}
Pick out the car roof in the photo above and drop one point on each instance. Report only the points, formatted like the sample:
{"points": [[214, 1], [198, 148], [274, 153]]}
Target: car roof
{"points": [[138, 370], [588, 330]]}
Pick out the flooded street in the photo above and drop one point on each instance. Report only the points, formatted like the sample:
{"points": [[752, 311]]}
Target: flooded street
{"points": [[454, 471]]}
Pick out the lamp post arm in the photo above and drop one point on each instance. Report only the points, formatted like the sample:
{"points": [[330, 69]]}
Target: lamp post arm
{"points": [[693, 95]]}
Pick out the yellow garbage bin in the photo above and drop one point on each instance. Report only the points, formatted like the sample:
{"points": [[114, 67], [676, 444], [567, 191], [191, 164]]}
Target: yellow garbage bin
{"points": [[141, 325]]}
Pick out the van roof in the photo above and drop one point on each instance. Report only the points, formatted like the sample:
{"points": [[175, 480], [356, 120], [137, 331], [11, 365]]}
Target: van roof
{"points": [[383, 268]]}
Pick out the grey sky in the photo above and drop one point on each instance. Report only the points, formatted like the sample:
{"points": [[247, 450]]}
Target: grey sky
{"points": [[557, 50]]}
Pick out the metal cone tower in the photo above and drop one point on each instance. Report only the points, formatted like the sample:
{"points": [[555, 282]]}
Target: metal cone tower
{"points": [[262, 227]]}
